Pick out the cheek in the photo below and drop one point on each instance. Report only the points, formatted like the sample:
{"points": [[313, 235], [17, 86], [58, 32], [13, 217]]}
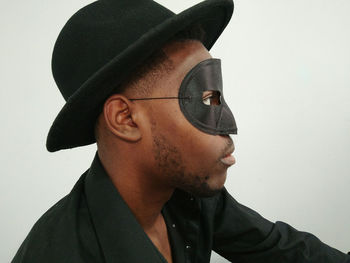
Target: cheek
{"points": [[203, 148], [169, 118], [199, 147]]}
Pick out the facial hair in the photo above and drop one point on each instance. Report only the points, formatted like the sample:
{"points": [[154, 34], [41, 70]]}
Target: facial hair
{"points": [[170, 164]]}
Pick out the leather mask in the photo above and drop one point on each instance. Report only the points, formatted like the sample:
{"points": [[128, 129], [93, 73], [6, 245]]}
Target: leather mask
{"points": [[211, 115]]}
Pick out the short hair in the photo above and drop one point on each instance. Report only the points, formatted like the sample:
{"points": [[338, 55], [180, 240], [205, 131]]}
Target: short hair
{"points": [[157, 64], [141, 80]]}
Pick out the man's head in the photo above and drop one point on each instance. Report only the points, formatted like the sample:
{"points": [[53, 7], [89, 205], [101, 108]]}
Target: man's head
{"points": [[96, 50], [154, 135]]}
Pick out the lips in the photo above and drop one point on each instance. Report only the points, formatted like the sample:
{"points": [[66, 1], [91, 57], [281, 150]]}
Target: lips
{"points": [[228, 159]]}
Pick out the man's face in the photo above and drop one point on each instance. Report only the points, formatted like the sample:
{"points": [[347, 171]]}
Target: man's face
{"points": [[181, 155]]}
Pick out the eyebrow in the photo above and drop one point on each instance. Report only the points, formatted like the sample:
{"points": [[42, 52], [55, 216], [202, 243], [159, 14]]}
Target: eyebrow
{"points": [[207, 92]]}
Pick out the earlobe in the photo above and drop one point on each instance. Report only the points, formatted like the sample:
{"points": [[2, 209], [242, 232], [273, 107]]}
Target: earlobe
{"points": [[119, 113]]}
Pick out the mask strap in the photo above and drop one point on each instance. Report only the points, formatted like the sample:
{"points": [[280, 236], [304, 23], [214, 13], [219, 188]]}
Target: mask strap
{"points": [[164, 98]]}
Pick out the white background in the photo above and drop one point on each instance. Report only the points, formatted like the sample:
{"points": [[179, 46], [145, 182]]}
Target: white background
{"points": [[286, 76]]}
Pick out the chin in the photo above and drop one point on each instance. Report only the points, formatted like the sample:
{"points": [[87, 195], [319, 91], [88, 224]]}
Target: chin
{"points": [[213, 186], [209, 189], [208, 192], [204, 185], [217, 181]]}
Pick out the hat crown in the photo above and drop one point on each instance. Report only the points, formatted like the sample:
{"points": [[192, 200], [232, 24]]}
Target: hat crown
{"points": [[96, 34]]}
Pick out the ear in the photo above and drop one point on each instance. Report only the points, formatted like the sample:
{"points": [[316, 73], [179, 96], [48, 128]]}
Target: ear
{"points": [[119, 114]]}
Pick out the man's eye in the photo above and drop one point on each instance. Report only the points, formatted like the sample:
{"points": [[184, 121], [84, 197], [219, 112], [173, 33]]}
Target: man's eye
{"points": [[206, 100], [212, 98]]}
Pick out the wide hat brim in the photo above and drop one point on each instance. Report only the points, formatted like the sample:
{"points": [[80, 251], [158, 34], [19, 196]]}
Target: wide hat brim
{"points": [[74, 124]]}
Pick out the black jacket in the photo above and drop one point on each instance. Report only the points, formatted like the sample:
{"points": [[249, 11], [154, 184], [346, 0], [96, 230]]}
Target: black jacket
{"points": [[94, 224]]}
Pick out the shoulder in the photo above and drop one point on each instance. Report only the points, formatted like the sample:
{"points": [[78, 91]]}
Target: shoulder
{"points": [[64, 233]]}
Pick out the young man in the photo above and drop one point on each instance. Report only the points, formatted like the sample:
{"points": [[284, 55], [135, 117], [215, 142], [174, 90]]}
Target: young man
{"points": [[140, 81]]}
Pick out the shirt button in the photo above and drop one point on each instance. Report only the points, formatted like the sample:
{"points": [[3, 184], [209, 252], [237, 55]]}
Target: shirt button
{"points": [[173, 225], [188, 247]]}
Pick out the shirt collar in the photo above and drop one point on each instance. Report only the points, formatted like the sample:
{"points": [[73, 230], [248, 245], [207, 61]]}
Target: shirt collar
{"points": [[120, 235]]}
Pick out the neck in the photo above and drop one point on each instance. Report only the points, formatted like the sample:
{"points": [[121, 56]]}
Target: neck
{"points": [[142, 193]]}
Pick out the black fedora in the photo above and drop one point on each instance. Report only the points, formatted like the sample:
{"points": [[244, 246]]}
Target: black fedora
{"points": [[101, 45]]}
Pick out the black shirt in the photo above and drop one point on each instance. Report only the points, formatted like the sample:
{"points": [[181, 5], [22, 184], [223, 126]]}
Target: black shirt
{"points": [[94, 224]]}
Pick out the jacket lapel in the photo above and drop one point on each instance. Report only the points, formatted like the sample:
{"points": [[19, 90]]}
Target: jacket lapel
{"points": [[121, 237]]}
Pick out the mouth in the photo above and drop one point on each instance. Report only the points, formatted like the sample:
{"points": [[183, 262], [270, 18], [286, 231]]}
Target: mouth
{"points": [[228, 159]]}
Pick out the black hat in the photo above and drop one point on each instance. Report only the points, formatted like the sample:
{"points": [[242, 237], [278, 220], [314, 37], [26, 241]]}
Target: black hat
{"points": [[102, 44]]}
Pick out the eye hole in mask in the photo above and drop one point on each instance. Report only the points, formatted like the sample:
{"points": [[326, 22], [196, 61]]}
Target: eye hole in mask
{"points": [[211, 97]]}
